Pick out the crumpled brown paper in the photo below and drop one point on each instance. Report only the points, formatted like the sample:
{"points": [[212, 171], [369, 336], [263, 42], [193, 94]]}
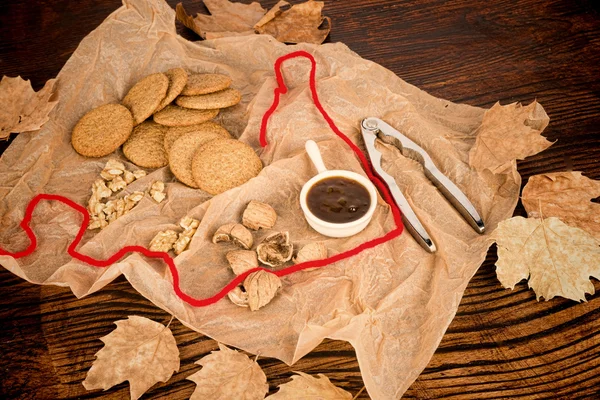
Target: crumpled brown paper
{"points": [[392, 303]]}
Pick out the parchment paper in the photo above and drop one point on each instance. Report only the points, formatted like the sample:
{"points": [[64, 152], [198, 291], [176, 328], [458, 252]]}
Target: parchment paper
{"points": [[392, 303]]}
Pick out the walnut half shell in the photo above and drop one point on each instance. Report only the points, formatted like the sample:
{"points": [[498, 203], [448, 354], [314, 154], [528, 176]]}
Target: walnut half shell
{"points": [[311, 252], [236, 233], [276, 249], [259, 215], [238, 297], [241, 261]]}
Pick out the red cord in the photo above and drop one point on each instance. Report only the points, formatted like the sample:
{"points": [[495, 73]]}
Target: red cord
{"points": [[281, 89]]}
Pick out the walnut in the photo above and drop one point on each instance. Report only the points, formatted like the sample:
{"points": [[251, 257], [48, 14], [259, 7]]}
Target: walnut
{"points": [[241, 261], [128, 177], [157, 191], [99, 190], [276, 249], [112, 169], [135, 196], [259, 215], [163, 241], [181, 244], [139, 174], [117, 183], [236, 233], [188, 223], [311, 252], [98, 221], [238, 297], [261, 287]]}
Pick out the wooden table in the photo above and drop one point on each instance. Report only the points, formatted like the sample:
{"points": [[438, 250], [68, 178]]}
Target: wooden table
{"points": [[502, 343]]}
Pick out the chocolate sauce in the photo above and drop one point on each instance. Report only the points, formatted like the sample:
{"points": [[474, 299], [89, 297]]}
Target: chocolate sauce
{"points": [[337, 199]]}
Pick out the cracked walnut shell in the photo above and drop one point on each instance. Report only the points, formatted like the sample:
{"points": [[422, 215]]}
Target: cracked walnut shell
{"points": [[238, 297], [261, 287], [276, 249], [241, 261], [311, 252], [259, 215], [236, 233]]}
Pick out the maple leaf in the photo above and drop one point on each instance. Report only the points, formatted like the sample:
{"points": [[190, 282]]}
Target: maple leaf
{"points": [[565, 195], [558, 259], [226, 19], [296, 24], [228, 374], [304, 386], [23, 109], [508, 133], [140, 351]]}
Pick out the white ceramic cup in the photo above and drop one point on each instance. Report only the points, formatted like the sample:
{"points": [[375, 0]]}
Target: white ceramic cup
{"points": [[334, 229]]}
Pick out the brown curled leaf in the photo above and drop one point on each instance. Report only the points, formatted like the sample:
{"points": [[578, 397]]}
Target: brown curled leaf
{"points": [[565, 195], [509, 133], [304, 386], [295, 24], [23, 109], [225, 19]]}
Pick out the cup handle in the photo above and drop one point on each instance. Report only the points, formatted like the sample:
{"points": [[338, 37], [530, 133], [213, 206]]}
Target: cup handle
{"points": [[315, 155]]}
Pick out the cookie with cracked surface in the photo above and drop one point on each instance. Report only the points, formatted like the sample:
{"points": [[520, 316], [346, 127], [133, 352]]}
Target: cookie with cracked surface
{"points": [[102, 130]]}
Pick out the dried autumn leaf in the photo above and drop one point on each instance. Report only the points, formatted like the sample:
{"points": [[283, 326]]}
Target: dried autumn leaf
{"points": [[226, 19], [23, 109], [140, 351], [228, 374], [565, 195], [304, 386], [296, 24], [557, 259], [509, 133]]}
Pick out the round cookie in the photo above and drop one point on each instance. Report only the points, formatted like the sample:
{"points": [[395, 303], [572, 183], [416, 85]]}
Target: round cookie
{"points": [[179, 116], [223, 164], [145, 96], [102, 130], [182, 152], [224, 98], [177, 81], [145, 147], [205, 83], [176, 132]]}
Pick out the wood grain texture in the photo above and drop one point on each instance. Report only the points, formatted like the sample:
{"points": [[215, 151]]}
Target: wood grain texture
{"points": [[502, 343]]}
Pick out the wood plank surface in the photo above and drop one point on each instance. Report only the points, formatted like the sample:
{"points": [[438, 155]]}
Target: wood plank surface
{"points": [[502, 344]]}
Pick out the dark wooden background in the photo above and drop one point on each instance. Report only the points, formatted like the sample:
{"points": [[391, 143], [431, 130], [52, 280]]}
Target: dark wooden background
{"points": [[502, 343]]}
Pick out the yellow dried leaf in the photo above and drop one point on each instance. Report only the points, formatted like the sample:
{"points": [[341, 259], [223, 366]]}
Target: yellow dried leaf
{"points": [[508, 133], [140, 351], [304, 386], [296, 24], [227, 374], [226, 19], [23, 109], [558, 259], [565, 195]]}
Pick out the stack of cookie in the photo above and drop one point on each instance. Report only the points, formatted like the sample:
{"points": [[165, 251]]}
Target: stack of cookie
{"points": [[166, 119]]}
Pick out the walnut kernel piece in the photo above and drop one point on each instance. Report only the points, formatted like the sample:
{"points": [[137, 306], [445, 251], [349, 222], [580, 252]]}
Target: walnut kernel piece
{"points": [[259, 215], [139, 174], [236, 233], [157, 191], [276, 249], [238, 297], [128, 177], [241, 261], [163, 241], [311, 252], [117, 183], [261, 287], [112, 169], [100, 190], [181, 244], [188, 223]]}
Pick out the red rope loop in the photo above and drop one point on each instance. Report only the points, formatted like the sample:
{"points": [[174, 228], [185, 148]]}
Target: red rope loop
{"points": [[196, 302]]}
